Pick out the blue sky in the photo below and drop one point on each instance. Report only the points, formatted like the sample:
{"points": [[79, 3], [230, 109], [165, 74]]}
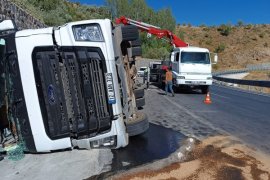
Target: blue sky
{"points": [[210, 12]]}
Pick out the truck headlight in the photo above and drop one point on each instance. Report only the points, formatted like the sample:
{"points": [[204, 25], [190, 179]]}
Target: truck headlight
{"points": [[105, 142], [88, 32], [209, 78], [180, 77]]}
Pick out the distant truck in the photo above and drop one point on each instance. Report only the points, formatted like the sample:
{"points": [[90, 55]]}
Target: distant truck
{"points": [[71, 86], [192, 66]]}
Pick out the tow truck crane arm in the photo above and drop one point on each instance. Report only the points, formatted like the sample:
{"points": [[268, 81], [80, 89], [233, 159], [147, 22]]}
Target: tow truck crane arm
{"points": [[154, 30]]}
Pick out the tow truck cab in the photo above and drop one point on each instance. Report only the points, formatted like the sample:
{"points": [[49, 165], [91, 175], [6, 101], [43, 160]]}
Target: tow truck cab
{"points": [[64, 86], [191, 66]]}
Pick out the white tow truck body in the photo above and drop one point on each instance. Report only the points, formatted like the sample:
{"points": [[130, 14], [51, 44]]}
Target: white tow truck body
{"points": [[191, 66]]}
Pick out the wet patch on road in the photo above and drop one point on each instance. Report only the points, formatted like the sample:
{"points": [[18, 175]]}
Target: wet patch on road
{"points": [[157, 143]]}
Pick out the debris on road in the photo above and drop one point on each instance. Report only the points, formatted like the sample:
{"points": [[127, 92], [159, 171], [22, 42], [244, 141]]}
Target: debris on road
{"points": [[219, 157]]}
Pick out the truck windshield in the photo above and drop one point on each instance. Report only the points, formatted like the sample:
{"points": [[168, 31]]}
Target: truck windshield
{"points": [[143, 68], [195, 57]]}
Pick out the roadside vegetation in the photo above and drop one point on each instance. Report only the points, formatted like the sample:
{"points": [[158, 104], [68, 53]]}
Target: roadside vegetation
{"points": [[237, 45]]}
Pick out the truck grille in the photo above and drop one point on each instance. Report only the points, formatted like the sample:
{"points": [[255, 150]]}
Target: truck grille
{"points": [[72, 93]]}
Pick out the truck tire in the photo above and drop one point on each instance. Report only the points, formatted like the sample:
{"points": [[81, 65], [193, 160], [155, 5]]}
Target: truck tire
{"points": [[130, 33], [134, 51], [204, 89], [138, 126], [140, 102], [139, 93], [135, 43]]}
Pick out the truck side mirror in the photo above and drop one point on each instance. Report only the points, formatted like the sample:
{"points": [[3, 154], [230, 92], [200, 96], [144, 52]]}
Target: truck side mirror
{"points": [[215, 59]]}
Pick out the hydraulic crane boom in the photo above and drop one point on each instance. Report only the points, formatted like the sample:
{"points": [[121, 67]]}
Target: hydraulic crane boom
{"points": [[160, 33]]}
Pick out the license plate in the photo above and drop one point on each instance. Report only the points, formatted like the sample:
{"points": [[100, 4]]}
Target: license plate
{"points": [[199, 82], [110, 89]]}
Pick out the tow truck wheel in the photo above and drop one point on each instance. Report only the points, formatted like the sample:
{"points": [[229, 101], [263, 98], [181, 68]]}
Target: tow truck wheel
{"points": [[137, 125]]}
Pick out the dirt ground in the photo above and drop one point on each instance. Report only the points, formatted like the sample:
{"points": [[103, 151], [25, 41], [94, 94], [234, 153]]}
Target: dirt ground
{"points": [[217, 158]]}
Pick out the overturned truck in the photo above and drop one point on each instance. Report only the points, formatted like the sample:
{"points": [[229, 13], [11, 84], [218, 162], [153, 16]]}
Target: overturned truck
{"points": [[71, 86]]}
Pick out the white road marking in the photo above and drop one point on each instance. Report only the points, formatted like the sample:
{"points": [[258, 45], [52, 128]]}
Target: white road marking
{"points": [[205, 111]]}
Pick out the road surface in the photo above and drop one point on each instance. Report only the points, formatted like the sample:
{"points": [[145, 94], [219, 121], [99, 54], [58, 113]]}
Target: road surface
{"points": [[234, 112]]}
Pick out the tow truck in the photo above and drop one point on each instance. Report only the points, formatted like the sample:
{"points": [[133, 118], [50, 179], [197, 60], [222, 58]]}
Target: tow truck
{"points": [[191, 66], [72, 85]]}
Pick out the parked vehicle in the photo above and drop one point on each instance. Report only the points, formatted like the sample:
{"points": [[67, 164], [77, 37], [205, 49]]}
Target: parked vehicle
{"points": [[141, 71], [155, 68], [70, 86]]}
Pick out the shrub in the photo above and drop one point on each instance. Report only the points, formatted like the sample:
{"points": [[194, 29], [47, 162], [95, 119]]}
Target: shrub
{"points": [[248, 26], [208, 42], [240, 23], [220, 48], [261, 35], [181, 35], [156, 53], [202, 25], [225, 30], [206, 28]]}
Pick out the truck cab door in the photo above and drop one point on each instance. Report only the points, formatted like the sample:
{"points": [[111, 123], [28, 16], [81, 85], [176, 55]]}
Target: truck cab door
{"points": [[175, 62]]}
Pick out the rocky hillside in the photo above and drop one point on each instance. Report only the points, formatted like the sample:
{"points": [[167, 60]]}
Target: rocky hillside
{"points": [[237, 46]]}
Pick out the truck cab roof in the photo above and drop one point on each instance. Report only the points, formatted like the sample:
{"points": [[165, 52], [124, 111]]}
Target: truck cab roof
{"points": [[190, 49], [29, 32]]}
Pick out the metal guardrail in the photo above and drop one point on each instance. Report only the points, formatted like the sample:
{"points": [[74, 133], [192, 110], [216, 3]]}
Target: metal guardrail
{"points": [[234, 71], [244, 82], [255, 67], [264, 66], [217, 75]]}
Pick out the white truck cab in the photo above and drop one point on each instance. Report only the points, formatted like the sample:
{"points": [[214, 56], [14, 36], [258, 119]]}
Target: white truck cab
{"points": [[191, 66], [67, 86]]}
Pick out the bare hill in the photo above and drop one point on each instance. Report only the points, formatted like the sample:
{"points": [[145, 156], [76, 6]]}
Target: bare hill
{"points": [[237, 46]]}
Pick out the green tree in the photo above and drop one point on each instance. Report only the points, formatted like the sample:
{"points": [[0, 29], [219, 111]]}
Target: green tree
{"points": [[45, 4]]}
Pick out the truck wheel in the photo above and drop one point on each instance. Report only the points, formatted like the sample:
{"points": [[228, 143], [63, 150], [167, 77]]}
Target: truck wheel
{"points": [[137, 126], [139, 93], [205, 89], [140, 102], [130, 33], [135, 43], [134, 51]]}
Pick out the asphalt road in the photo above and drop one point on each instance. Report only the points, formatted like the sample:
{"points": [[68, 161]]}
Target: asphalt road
{"points": [[234, 112]]}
